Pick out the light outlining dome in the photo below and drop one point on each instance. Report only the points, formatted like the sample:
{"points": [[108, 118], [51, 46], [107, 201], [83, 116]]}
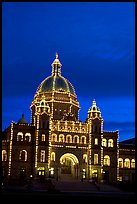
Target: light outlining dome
{"points": [[56, 82]]}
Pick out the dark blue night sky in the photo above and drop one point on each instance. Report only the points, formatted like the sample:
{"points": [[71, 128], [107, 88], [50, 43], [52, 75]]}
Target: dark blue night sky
{"points": [[96, 46]]}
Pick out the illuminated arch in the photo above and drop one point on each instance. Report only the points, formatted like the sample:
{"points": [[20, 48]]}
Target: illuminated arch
{"points": [[52, 156], [20, 136], [28, 136], [106, 160], [69, 138], [120, 163], [110, 143], [133, 163], [127, 163], [70, 156], [23, 155], [4, 155], [61, 138], [76, 139], [54, 138], [104, 142], [83, 139]]}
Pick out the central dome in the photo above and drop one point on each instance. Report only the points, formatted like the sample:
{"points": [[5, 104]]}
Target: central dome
{"points": [[56, 82]]}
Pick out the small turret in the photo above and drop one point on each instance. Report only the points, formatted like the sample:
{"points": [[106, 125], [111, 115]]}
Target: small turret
{"points": [[94, 111], [22, 120]]}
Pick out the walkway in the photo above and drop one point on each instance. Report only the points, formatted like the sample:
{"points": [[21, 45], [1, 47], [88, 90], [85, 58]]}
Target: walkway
{"points": [[83, 186], [72, 191]]}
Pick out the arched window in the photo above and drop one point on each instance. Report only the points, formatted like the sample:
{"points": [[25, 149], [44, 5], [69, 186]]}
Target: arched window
{"points": [[94, 108], [52, 156], [28, 137], [4, 155], [42, 156], [76, 139], [106, 160], [54, 138], [110, 143], [19, 136], [85, 158], [127, 163], [132, 163], [61, 138], [104, 142], [42, 103], [120, 163], [43, 137], [23, 155], [83, 140], [69, 138]]}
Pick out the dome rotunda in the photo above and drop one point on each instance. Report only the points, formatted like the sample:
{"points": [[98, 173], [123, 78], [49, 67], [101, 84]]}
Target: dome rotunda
{"points": [[56, 82]]}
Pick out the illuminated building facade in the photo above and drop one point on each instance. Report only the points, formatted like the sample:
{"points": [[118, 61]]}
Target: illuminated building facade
{"points": [[56, 143]]}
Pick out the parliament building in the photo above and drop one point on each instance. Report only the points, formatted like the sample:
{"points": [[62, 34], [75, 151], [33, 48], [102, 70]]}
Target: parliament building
{"points": [[56, 143]]}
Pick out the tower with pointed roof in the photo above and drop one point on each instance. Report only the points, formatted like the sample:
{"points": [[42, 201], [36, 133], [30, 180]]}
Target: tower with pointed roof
{"points": [[95, 122]]}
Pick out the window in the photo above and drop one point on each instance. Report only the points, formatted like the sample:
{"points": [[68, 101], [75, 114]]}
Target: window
{"points": [[96, 141], [84, 173], [28, 137], [94, 173], [19, 136], [127, 163], [110, 143], [83, 140], [61, 138], [95, 158], [54, 138], [85, 158], [104, 142], [94, 108], [23, 155], [76, 139], [52, 171], [106, 160], [120, 178], [133, 163], [43, 137], [120, 163], [4, 155], [52, 156], [42, 156], [68, 138]]}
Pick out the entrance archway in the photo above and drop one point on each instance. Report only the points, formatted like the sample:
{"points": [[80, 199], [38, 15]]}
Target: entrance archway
{"points": [[69, 166]]}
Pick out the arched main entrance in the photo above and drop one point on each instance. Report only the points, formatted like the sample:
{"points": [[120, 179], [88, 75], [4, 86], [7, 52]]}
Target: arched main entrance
{"points": [[69, 166]]}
